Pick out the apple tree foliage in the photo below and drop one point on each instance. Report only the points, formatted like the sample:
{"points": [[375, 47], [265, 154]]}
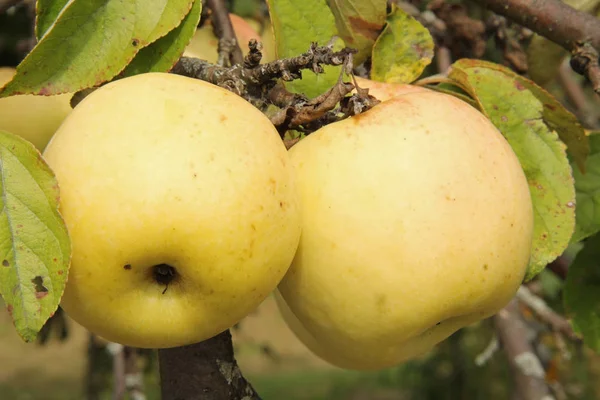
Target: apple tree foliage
{"points": [[85, 43]]}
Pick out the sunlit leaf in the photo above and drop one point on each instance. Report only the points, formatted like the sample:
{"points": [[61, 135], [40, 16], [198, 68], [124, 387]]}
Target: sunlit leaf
{"points": [[161, 55], [46, 12], [403, 50], [359, 23], [297, 24], [92, 41], [34, 244]]}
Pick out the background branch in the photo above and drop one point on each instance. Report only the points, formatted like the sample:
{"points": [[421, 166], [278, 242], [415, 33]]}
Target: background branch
{"points": [[6, 4], [548, 315], [229, 48], [576, 31], [526, 367]]}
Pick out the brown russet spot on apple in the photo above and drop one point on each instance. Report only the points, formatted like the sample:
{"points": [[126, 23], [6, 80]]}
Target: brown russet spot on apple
{"points": [[127, 267], [381, 302], [5, 263]]}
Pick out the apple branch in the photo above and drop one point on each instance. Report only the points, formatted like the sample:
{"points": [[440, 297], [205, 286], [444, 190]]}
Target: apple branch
{"points": [[6, 4], [548, 315], [203, 371], [229, 49], [528, 373], [259, 84], [574, 30], [118, 353], [134, 378]]}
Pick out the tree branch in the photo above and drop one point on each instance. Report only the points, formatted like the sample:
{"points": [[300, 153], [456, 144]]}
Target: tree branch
{"points": [[203, 371], [134, 378], [574, 30], [6, 4], [258, 83], [526, 367], [229, 48], [542, 310], [118, 353]]}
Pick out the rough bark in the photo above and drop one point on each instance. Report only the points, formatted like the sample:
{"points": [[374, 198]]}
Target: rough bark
{"points": [[203, 371]]}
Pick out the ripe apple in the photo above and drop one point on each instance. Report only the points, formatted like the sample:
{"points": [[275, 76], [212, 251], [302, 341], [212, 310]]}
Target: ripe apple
{"points": [[181, 204], [384, 91], [417, 221], [34, 118], [204, 43]]}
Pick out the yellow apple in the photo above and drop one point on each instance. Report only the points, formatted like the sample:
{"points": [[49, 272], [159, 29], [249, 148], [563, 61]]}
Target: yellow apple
{"points": [[416, 221], [204, 43], [384, 91], [181, 205], [34, 118]]}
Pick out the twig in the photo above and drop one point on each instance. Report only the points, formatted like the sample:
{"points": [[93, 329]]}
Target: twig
{"points": [[6, 4], [489, 351], [542, 310], [576, 31], [229, 49], [203, 371], [258, 83], [583, 108], [134, 378], [443, 59], [525, 365], [464, 36], [99, 367], [118, 353]]}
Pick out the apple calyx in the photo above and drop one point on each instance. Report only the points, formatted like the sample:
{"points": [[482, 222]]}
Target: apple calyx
{"points": [[164, 274]]}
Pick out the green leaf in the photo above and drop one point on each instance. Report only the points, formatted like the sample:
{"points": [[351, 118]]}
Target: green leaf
{"points": [[359, 23], [543, 59], [161, 55], [555, 115], [91, 42], [35, 249], [297, 24], [45, 14], [518, 114], [587, 187], [402, 51], [582, 292]]}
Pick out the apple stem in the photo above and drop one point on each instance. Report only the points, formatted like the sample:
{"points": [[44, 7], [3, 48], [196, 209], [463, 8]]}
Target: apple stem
{"points": [[206, 370]]}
